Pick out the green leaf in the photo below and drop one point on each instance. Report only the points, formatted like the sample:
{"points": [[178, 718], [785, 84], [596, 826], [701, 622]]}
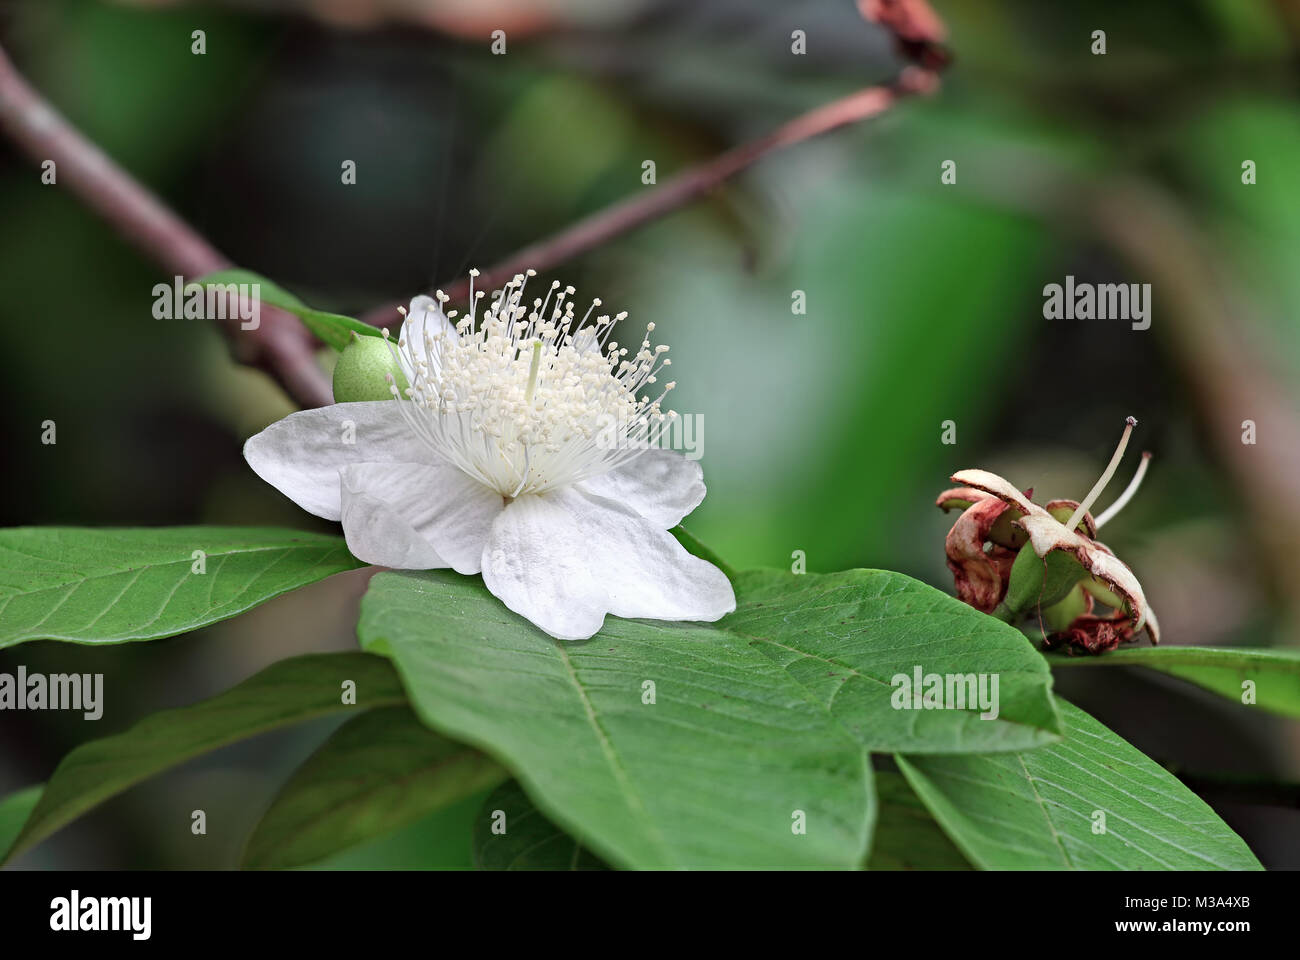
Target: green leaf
{"points": [[695, 548], [107, 586], [710, 774], [332, 329], [288, 692], [441, 841], [14, 811], [529, 840], [845, 637], [379, 772], [907, 836], [1036, 810], [1222, 670], [768, 712]]}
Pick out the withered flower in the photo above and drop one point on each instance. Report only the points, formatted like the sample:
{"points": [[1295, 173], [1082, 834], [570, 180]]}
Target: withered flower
{"points": [[1065, 570]]}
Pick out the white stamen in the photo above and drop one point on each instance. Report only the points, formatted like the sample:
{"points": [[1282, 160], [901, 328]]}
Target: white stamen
{"points": [[1104, 479], [1127, 495], [525, 400]]}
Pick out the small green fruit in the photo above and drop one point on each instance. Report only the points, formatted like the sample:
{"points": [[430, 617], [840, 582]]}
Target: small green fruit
{"points": [[362, 370]]}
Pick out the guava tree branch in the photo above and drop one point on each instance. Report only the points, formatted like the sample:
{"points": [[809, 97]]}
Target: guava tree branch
{"points": [[919, 35], [279, 345]]}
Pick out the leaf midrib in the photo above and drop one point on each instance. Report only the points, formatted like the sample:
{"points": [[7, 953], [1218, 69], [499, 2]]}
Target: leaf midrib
{"points": [[633, 797], [162, 564]]}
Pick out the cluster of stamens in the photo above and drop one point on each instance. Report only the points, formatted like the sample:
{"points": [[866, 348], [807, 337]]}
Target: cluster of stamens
{"points": [[525, 399]]}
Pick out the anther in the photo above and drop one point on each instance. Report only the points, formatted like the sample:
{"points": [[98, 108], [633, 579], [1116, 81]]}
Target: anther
{"points": [[1104, 479]]}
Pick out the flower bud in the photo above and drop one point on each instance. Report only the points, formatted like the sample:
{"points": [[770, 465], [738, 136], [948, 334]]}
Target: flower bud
{"points": [[363, 370]]}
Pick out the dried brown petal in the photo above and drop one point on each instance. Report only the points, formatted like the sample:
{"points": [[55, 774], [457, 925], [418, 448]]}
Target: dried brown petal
{"points": [[1046, 534], [1063, 510], [1090, 634], [980, 566], [959, 498]]}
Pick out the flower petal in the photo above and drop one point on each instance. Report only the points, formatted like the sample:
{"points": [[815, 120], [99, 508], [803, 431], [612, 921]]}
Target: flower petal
{"points": [[1093, 635], [377, 533], [979, 574], [533, 563], [437, 504], [565, 558], [992, 483], [1046, 533], [1153, 627], [959, 498], [301, 455], [661, 485], [1063, 510]]}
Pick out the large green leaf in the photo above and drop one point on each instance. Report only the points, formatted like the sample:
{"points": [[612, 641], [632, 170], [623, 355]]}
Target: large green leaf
{"points": [[443, 840], [845, 636], [332, 329], [907, 836], [1039, 809], [693, 546], [1275, 673], [769, 712], [14, 811], [379, 772], [512, 834], [288, 692], [106, 586]]}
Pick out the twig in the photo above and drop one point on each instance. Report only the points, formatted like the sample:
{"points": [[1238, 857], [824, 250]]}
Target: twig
{"points": [[919, 35], [280, 345]]}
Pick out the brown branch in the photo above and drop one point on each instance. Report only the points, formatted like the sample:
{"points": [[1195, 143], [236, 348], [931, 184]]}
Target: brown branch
{"points": [[919, 34], [279, 345], [690, 184]]}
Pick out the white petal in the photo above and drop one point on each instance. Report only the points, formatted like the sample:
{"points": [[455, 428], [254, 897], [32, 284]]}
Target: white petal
{"points": [[301, 455], [437, 503], [377, 533], [534, 563], [424, 318], [565, 558], [661, 485]]}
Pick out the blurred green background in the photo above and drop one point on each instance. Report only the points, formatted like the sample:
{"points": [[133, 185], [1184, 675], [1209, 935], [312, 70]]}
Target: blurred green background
{"points": [[821, 431]]}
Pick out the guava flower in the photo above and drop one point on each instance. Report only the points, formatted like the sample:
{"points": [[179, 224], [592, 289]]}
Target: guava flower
{"points": [[998, 520], [520, 450]]}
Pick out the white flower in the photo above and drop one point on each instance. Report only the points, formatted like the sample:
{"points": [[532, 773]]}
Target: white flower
{"points": [[520, 450]]}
